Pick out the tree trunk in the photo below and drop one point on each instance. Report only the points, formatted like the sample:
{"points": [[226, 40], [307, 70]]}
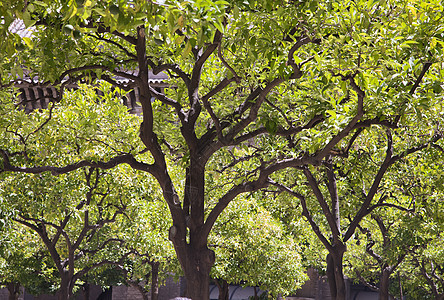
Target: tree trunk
{"points": [[14, 290], [223, 288], [85, 290], [155, 280], [64, 291], [335, 275], [384, 283], [196, 264]]}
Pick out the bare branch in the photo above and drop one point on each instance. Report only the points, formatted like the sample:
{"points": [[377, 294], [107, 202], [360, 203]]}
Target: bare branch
{"points": [[103, 29], [301, 41], [97, 67], [164, 99], [101, 38], [424, 70], [173, 67]]}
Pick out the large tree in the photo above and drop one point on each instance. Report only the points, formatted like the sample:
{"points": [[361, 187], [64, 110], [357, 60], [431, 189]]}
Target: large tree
{"points": [[271, 84]]}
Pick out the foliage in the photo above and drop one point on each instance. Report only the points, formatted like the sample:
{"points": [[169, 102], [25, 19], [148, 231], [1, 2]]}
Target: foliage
{"points": [[324, 100], [252, 249]]}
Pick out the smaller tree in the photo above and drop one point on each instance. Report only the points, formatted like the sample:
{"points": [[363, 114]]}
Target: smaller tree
{"points": [[77, 216], [388, 240], [74, 220], [253, 249], [153, 258], [23, 263]]}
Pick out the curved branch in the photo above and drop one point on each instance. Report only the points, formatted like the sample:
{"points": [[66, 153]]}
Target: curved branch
{"points": [[103, 29], [97, 67], [305, 213], [105, 165], [424, 70], [224, 62], [260, 94], [301, 41], [223, 84], [173, 67], [373, 207], [164, 99], [101, 38]]}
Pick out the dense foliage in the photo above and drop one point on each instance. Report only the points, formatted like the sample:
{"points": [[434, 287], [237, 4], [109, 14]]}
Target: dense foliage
{"points": [[332, 107]]}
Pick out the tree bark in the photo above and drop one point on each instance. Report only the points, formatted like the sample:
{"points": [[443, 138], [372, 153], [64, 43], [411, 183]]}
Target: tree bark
{"points": [[335, 274], [155, 280], [223, 287], [384, 283], [14, 290], [196, 264], [64, 292]]}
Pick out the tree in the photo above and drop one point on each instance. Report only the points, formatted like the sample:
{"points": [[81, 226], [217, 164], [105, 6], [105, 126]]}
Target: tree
{"points": [[392, 234], [153, 259], [80, 216], [294, 92], [385, 250], [420, 276], [253, 249], [73, 219], [23, 262]]}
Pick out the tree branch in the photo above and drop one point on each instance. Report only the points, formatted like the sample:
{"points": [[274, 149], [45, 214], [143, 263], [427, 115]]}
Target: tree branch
{"points": [[324, 205], [305, 213], [373, 189], [121, 159]]}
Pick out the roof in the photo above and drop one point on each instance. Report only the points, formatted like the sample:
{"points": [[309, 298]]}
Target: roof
{"points": [[18, 27]]}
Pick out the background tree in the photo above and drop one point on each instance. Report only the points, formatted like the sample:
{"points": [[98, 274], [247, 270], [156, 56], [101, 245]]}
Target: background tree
{"points": [[420, 276], [24, 263], [253, 249], [74, 228], [386, 247], [79, 216]]}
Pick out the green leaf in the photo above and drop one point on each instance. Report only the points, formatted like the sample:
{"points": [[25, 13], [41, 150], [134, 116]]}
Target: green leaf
{"points": [[186, 50]]}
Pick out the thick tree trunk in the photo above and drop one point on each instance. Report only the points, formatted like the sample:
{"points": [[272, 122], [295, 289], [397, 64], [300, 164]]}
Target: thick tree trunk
{"points": [[384, 283], [335, 275], [14, 290], [64, 292], [196, 264], [85, 290], [154, 281], [191, 249]]}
